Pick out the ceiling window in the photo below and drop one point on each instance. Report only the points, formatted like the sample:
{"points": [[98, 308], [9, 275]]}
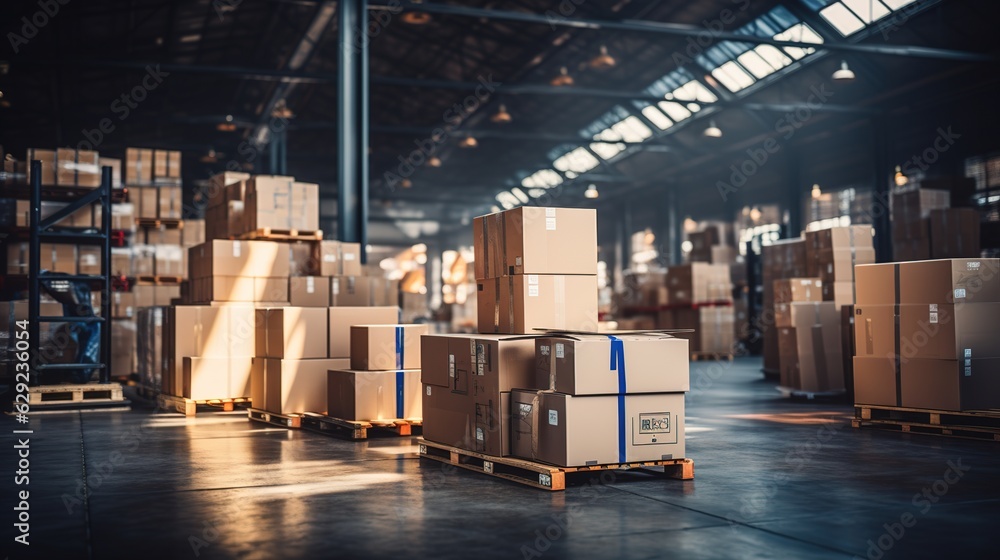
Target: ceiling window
{"points": [[543, 179], [732, 76], [656, 117], [577, 161], [802, 33], [850, 16], [507, 200]]}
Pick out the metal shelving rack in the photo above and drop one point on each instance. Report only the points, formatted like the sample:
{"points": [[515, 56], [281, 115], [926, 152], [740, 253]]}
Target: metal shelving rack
{"points": [[45, 231]]}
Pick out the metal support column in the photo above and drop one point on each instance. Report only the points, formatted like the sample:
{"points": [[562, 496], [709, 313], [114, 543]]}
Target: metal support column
{"points": [[626, 232], [880, 191], [105, 325], [673, 229], [283, 152], [34, 270], [793, 195], [352, 115]]}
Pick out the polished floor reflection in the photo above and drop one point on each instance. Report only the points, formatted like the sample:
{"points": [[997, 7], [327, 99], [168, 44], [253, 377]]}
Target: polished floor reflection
{"points": [[774, 479]]}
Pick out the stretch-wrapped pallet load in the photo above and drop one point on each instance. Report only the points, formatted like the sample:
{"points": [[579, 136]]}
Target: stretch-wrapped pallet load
{"points": [[536, 268], [926, 334]]}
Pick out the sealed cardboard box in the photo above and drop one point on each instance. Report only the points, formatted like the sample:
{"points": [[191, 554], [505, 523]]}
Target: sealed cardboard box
{"points": [[374, 395], [309, 291], [359, 291], [713, 327], [48, 159], [840, 238], [216, 378], [242, 289], [170, 202], [143, 260], [837, 265], [219, 194], [239, 258], [840, 293], [522, 303], [123, 304], [77, 168], [816, 327], [88, 260], [723, 254], [699, 283], [448, 416], [193, 233], [446, 360], [278, 202], [123, 335], [948, 331], [385, 347], [166, 164], [297, 386], [569, 431], [536, 240], [798, 289], [291, 332], [950, 281], [169, 261], [138, 167], [161, 236], [875, 381], [205, 332], [123, 216], [875, 284], [116, 171], [341, 319], [965, 384], [338, 258], [579, 364], [146, 201], [302, 260]]}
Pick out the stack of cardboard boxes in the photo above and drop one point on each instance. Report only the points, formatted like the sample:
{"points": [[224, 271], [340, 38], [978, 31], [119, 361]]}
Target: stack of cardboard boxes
{"points": [[550, 398], [926, 334], [786, 258], [383, 382], [713, 244], [925, 226], [809, 343], [583, 412], [239, 203], [533, 270], [700, 297]]}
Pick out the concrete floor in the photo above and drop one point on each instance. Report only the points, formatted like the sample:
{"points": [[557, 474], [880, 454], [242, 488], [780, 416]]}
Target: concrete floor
{"points": [[774, 479]]}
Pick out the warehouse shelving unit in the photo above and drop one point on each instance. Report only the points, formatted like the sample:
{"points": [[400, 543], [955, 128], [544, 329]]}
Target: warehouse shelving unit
{"points": [[46, 230]]}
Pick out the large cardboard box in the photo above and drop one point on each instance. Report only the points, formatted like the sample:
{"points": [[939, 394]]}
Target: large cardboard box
{"points": [[278, 202], [713, 327], [297, 386], [205, 332], [949, 281], [536, 240], [88, 260], [219, 194], [448, 416], [193, 233], [840, 293], [170, 201], [77, 168], [166, 165], [699, 283], [791, 290], [146, 201], [964, 384], [359, 291], [123, 305], [291, 332], [216, 378], [948, 331], [138, 167], [264, 259], [374, 395], [579, 364], [337, 258], [875, 381], [48, 159], [837, 265], [385, 347], [522, 303], [272, 291], [571, 431], [910, 207], [815, 330], [123, 335], [341, 319], [446, 360], [309, 291]]}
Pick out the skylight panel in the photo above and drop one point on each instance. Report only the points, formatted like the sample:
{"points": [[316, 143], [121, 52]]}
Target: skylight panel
{"points": [[732, 76], [520, 195], [842, 19], [607, 151], [867, 10], [755, 64], [656, 117], [577, 161], [695, 91], [774, 57], [507, 200], [897, 4], [675, 111], [802, 33], [543, 178], [631, 129]]}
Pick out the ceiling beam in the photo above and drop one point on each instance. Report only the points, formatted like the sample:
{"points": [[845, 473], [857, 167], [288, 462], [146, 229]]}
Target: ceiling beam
{"points": [[681, 30]]}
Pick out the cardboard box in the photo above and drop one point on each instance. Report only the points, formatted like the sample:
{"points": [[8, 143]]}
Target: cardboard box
{"points": [[568, 431], [278, 202], [123, 335], [447, 360], [241, 289], [264, 259], [359, 291], [116, 170], [216, 378], [123, 305], [166, 164], [699, 283], [385, 347], [840, 238], [88, 260], [448, 416], [123, 216], [309, 291], [302, 260], [950, 384], [374, 395], [338, 258], [48, 159], [723, 254], [220, 194], [170, 201], [949, 281], [810, 350], [713, 327], [297, 386], [522, 303], [840, 293], [579, 364], [535, 240], [193, 233], [146, 200], [161, 236], [138, 167], [875, 381], [291, 332], [837, 265], [205, 332], [169, 261], [797, 290], [341, 319]]}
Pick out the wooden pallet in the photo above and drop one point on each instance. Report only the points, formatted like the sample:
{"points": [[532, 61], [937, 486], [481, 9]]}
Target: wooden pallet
{"points": [[158, 280], [275, 234], [169, 223], [540, 475], [293, 421], [189, 407], [711, 357], [981, 425], [355, 429], [90, 393]]}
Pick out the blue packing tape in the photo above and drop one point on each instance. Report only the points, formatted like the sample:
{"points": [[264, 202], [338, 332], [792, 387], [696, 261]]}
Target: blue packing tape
{"points": [[399, 374], [618, 363]]}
